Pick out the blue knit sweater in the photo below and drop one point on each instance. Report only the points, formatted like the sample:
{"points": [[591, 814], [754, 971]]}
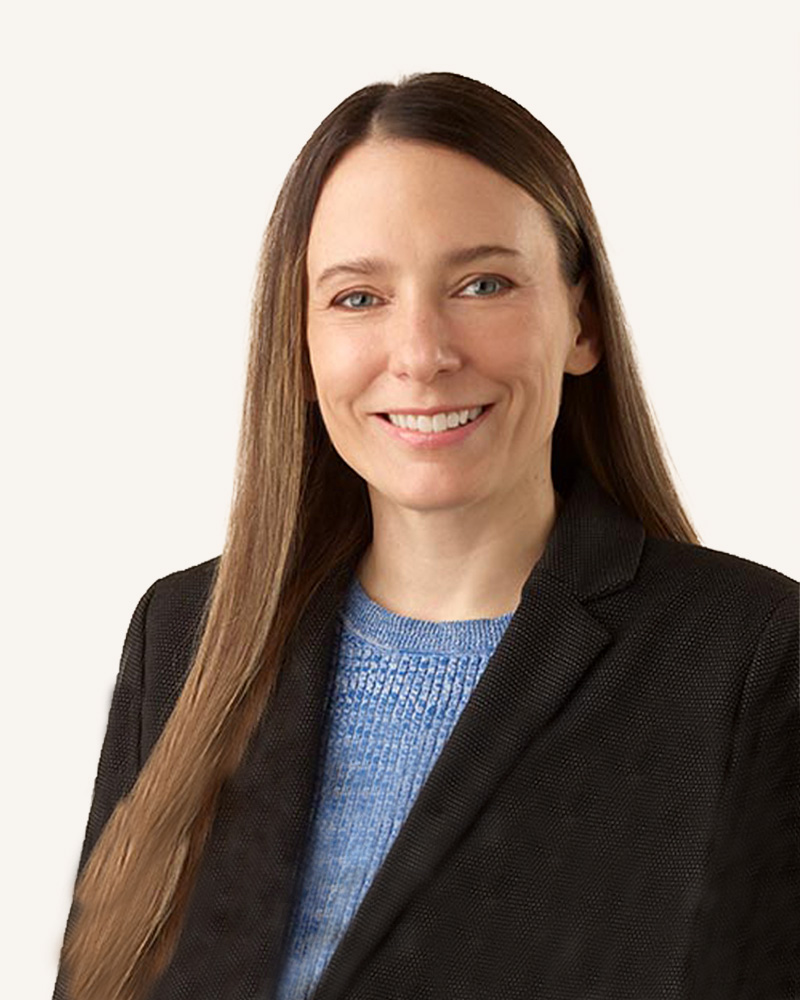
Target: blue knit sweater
{"points": [[397, 689]]}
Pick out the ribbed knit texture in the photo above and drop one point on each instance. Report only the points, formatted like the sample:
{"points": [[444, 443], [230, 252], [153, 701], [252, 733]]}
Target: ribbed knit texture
{"points": [[397, 688]]}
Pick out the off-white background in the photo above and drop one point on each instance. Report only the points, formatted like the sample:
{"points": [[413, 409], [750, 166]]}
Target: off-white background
{"points": [[143, 147]]}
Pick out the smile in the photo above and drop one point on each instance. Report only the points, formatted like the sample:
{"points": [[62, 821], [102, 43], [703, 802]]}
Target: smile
{"points": [[435, 423], [452, 432]]}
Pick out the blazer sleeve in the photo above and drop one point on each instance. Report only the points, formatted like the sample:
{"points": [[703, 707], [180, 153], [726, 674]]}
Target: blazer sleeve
{"points": [[748, 941], [120, 756]]}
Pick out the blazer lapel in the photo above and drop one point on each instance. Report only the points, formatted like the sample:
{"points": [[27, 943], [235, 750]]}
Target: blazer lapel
{"points": [[549, 645]]}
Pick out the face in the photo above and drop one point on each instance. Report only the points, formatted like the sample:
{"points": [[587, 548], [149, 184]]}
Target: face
{"points": [[414, 326]]}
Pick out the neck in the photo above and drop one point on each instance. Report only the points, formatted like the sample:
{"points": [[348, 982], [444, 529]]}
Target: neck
{"points": [[448, 565]]}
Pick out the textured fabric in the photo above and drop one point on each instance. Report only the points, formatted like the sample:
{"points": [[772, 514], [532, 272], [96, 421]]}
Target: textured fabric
{"points": [[614, 815], [397, 688]]}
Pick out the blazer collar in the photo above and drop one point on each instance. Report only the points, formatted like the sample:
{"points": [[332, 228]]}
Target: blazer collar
{"points": [[595, 545]]}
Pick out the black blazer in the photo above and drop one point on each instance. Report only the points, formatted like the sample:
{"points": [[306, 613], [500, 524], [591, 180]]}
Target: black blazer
{"points": [[614, 816]]}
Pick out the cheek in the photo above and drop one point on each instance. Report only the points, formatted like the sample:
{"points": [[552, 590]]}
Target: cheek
{"points": [[532, 359], [331, 361], [343, 371], [535, 372]]}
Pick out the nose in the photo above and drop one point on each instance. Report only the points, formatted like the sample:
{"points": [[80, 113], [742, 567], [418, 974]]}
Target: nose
{"points": [[422, 344]]}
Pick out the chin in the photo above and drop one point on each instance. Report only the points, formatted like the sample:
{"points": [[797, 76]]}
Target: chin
{"points": [[428, 499]]}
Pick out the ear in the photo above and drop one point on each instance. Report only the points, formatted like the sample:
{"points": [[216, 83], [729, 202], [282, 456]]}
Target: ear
{"points": [[586, 348]]}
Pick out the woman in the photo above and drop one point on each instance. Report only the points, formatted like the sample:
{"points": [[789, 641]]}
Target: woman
{"points": [[463, 709]]}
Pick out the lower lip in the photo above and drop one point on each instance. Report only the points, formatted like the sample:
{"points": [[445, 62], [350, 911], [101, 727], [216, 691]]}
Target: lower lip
{"points": [[440, 439]]}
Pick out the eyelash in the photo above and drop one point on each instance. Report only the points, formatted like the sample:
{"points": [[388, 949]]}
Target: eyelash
{"points": [[507, 283]]}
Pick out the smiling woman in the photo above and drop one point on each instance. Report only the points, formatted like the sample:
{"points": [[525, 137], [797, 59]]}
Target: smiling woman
{"points": [[464, 709]]}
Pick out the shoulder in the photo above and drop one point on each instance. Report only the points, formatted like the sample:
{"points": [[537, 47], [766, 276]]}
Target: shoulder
{"points": [[177, 601], [177, 606], [706, 593], [185, 586], [173, 619], [699, 568]]}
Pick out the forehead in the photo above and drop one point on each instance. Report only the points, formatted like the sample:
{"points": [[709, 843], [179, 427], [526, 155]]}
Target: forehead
{"points": [[419, 198]]}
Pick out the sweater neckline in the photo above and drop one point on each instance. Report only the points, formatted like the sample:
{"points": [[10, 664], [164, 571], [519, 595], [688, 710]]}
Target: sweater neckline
{"points": [[368, 620]]}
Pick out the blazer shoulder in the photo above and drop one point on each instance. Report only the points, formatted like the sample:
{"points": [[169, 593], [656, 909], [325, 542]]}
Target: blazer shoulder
{"points": [[178, 600], [712, 568], [187, 584], [175, 618], [704, 592]]}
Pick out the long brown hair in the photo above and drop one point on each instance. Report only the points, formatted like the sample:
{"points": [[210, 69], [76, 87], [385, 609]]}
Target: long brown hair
{"points": [[297, 509]]}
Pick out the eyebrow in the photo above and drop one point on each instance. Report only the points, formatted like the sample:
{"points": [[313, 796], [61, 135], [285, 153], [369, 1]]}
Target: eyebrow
{"points": [[372, 265]]}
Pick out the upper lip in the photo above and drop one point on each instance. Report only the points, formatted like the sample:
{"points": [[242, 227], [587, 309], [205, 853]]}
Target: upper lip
{"points": [[430, 410]]}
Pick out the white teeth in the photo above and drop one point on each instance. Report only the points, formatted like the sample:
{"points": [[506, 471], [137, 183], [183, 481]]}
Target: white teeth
{"points": [[437, 423]]}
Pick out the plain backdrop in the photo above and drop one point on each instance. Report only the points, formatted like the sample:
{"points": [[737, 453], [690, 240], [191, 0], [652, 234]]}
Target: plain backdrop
{"points": [[143, 148]]}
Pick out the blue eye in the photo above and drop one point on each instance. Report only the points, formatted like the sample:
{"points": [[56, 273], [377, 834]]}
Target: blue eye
{"points": [[490, 278], [503, 282], [350, 295]]}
